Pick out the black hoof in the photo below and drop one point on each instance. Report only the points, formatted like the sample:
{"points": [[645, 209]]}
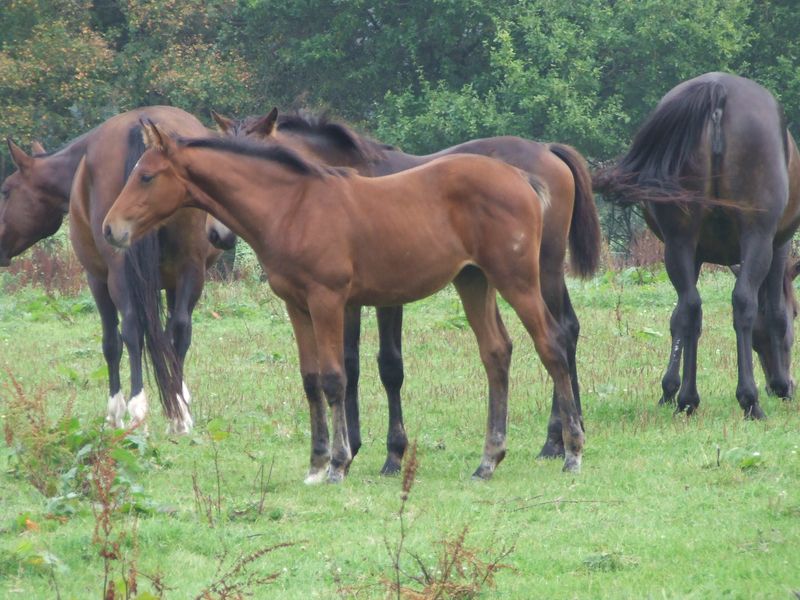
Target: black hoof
{"points": [[483, 473], [665, 399], [390, 467], [754, 413], [552, 450]]}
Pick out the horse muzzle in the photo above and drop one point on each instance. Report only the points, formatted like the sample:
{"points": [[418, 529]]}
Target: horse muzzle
{"points": [[119, 237]]}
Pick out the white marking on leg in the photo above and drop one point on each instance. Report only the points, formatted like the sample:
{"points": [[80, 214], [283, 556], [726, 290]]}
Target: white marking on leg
{"points": [[137, 409], [316, 477], [572, 462], [116, 410], [182, 424]]}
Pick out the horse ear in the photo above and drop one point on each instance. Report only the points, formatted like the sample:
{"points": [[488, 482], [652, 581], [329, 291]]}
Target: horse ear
{"points": [[37, 148], [161, 140], [265, 126], [224, 124], [22, 160], [735, 269]]}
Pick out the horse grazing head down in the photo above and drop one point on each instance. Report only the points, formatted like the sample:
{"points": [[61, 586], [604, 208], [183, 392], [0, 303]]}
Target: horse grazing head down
{"points": [[773, 335], [29, 210]]}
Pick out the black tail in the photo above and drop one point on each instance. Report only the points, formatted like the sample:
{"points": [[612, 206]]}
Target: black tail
{"points": [[665, 150], [143, 279], [585, 238]]}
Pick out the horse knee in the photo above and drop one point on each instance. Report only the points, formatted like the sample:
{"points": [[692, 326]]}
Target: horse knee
{"points": [[745, 308]]}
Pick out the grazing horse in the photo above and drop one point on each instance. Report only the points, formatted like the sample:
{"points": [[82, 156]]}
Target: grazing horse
{"points": [[330, 238], [84, 178], [719, 175], [571, 220]]}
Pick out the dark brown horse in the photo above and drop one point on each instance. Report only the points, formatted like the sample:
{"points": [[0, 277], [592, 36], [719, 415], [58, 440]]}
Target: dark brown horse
{"points": [[330, 238], [719, 174], [570, 220], [84, 178]]}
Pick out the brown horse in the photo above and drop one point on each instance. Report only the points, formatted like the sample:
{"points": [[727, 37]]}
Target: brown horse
{"points": [[330, 238], [571, 220], [719, 174], [84, 178]]}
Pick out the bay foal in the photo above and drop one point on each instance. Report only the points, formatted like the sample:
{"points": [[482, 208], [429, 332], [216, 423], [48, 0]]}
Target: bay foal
{"points": [[330, 238], [570, 221]]}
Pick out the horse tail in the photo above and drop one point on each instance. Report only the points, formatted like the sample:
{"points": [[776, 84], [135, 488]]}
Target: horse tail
{"points": [[664, 150], [585, 238], [143, 280]]}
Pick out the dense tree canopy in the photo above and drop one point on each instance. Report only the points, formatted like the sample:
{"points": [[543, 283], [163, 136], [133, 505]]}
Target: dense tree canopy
{"points": [[420, 73]]}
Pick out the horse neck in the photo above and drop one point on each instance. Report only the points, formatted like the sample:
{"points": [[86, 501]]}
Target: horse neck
{"points": [[251, 196], [62, 165]]}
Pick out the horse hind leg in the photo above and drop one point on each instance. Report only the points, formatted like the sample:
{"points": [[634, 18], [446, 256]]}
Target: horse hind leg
{"points": [[352, 335], [756, 259], [671, 381], [551, 346], [181, 303], [390, 367], [479, 301]]}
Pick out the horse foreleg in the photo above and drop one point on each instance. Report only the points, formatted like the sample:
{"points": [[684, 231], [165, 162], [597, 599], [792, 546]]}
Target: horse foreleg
{"points": [[756, 253], [112, 349], [327, 316], [480, 305], [181, 304], [352, 335], [309, 369], [390, 367]]}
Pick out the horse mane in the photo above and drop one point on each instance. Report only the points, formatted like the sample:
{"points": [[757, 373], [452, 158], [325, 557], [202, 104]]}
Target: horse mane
{"points": [[664, 154], [341, 136], [271, 152]]}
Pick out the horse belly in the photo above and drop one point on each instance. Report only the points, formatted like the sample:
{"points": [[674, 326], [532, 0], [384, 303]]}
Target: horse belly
{"points": [[402, 278]]}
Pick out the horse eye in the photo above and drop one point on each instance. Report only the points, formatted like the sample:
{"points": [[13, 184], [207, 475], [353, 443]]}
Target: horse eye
{"points": [[145, 178]]}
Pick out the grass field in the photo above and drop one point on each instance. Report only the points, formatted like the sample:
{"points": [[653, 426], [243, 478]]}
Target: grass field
{"points": [[665, 506]]}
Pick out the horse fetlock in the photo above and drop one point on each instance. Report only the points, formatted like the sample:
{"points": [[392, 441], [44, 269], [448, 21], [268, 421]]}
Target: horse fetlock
{"points": [[116, 410], [137, 408]]}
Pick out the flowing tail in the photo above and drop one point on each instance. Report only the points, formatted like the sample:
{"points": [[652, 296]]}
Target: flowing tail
{"points": [[143, 279], [660, 161], [585, 238]]}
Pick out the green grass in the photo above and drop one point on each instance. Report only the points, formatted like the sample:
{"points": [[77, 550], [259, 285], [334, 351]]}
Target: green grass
{"points": [[652, 514]]}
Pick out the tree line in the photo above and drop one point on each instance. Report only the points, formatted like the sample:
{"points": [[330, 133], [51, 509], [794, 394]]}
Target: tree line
{"points": [[420, 74]]}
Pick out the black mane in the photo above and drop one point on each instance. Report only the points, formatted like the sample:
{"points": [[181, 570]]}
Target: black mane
{"points": [[272, 152], [337, 134]]}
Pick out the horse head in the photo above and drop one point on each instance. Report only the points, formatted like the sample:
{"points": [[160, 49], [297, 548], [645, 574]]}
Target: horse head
{"points": [[29, 209]]}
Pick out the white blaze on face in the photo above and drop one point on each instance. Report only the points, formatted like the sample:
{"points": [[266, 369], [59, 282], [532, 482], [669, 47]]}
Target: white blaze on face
{"points": [[116, 410]]}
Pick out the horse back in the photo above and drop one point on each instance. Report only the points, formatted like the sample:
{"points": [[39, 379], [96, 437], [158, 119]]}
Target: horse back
{"points": [[111, 155]]}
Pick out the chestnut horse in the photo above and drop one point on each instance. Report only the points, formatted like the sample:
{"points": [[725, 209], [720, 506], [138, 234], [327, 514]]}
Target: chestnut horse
{"points": [[719, 175], [84, 178], [571, 220], [330, 238]]}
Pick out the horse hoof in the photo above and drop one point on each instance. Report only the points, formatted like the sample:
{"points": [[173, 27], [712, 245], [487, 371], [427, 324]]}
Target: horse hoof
{"points": [[483, 473], [572, 464], [664, 400], [390, 467], [316, 476], [336, 476], [755, 413], [551, 450]]}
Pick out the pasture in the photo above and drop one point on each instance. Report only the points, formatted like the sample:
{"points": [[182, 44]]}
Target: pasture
{"points": [[664, 507]]}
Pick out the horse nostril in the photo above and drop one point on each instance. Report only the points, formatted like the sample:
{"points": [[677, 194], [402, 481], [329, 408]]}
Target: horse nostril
{"points": [[107, 233], [213, 237]]}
